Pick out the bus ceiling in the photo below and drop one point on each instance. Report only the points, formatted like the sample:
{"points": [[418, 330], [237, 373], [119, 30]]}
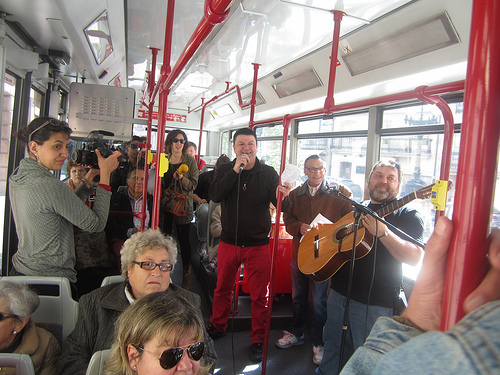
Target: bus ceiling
{"points": [[380, 41]]}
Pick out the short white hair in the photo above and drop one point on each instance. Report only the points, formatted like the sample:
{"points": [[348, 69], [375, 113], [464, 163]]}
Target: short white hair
{"points": [[141, 242]]}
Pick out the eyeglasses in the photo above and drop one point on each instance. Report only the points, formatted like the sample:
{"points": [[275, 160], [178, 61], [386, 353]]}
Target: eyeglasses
{"points": [[137, 179], [175, 140], [171, 357], [4, 316], [313, 170], [52, 122], [149, 266]]}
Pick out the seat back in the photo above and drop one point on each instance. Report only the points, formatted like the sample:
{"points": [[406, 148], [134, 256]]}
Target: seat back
{"points": [[22, 363], [58, 311], [113, 279], [211, 241], [97, 362]]}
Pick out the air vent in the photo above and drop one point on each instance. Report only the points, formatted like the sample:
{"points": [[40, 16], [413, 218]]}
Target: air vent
{"points": [[299, 83], [417, 39], [259, 99]]}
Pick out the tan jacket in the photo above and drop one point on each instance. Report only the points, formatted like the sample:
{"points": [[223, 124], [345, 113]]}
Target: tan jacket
{"points": [[41, 346]]}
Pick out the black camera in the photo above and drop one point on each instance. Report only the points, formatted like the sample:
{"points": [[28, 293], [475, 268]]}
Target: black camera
{"points": [[87, 156]]}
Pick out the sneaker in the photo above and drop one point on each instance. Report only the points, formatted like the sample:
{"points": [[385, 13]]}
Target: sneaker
{"points": [[202, 249], [288, 340], [214, 333], [257, 351], [318, 354]]}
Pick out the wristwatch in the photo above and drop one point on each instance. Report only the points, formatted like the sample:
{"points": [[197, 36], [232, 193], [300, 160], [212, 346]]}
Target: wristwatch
{"points": [[386, 233]]}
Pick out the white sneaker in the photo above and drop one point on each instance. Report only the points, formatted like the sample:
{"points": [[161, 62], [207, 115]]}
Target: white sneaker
{"points": [[318, 354], [288, 340]]}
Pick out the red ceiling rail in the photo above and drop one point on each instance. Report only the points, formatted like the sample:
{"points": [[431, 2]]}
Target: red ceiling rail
{"points": [[476, 172], [216, 11]]}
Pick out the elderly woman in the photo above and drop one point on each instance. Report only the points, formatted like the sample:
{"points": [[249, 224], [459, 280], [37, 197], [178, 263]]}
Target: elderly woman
{"points": [[147, 259], [18, 334], [158, 335]]}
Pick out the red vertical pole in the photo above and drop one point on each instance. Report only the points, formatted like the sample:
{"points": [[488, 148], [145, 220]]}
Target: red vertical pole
{"points": [[286, 127], [329, 102], [151, 82], [253, 102], [477, 161], [162, 111]]}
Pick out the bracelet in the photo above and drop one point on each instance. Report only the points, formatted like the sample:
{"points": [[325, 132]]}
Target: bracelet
{"points": [[386, 233]]}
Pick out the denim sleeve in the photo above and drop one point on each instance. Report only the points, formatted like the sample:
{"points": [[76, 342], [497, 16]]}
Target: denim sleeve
{"points": [[386, 335], [470, 347]]}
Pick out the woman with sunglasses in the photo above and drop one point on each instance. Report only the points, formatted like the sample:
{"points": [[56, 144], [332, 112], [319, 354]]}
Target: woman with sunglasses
{"points": [[45, 209], [175, 149], [158, 335], [19, 335], [147, 259]]}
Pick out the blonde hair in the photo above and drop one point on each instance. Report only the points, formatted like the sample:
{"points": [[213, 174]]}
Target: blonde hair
{"points": [[162, 314]]}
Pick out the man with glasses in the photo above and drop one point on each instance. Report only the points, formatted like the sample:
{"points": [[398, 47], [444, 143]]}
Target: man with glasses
{"points": [[313, 197], [135, 159], [123, 220]]}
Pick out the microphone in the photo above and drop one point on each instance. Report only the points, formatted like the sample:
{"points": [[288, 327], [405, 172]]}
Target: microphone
{"points": [[183, 168], [242, 166]]}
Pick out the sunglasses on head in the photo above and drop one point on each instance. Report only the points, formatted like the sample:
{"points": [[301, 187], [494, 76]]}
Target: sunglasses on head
{"points": [[4, 316], [171, 357], [52, 122], [175, 140]]}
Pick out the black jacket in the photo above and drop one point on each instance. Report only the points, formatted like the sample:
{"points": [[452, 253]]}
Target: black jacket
{"points": [[257, 189], [118, 225]]}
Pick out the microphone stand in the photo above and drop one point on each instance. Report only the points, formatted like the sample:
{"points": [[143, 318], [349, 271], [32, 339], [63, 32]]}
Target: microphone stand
{"points": [[358, 210]]}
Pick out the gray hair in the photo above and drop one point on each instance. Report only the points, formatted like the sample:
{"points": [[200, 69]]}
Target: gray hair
{"points": [[22, 301], [141, 242]]}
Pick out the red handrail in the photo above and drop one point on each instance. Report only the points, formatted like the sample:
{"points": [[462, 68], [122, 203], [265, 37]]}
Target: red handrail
{"points": [[477, 162]]}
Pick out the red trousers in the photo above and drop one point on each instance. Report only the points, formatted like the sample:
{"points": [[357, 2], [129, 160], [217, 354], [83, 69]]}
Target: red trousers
{"points": [[257, 263]]}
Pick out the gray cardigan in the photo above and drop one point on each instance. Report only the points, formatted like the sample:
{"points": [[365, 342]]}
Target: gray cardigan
{"points": [[45, 210], [94, 330]]}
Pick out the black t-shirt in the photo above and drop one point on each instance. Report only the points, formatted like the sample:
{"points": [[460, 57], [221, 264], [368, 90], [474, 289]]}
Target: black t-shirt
{"points": [[388, 271]]}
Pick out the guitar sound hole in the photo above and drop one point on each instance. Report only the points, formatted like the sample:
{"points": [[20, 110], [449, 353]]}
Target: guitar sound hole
{"points": [[341, 234]]}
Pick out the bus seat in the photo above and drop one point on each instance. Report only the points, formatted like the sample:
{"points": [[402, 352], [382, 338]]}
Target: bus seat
{"points": [[114, 279], [22, 363], [97, 362], [212, 242], [58, 311]]}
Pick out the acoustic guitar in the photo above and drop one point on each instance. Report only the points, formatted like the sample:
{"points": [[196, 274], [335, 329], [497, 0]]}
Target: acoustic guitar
{"points": [[327, 247]]}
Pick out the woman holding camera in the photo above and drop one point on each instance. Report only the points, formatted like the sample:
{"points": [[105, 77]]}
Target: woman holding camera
{"points": [[45, 209]]}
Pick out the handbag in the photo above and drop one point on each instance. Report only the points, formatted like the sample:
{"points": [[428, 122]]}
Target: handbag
{"points": [[173, 200]]}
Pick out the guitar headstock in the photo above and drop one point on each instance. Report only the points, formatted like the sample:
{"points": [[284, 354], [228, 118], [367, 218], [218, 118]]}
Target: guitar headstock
{"points": [[426, 192]]}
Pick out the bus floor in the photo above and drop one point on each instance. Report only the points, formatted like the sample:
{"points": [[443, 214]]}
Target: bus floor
{"points": [[233, 350]]}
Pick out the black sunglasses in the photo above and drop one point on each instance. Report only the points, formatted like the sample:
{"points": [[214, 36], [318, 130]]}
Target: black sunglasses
{"points": [[50, 121], [175, 140], [171, 357], [149, 266], [4, 316]]}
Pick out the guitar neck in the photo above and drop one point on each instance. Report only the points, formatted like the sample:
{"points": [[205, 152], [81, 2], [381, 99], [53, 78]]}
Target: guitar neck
{"points": [[391, 207]]}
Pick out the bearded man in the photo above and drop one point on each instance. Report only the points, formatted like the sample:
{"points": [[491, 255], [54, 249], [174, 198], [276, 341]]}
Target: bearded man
{"points": [[378, 276]]}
